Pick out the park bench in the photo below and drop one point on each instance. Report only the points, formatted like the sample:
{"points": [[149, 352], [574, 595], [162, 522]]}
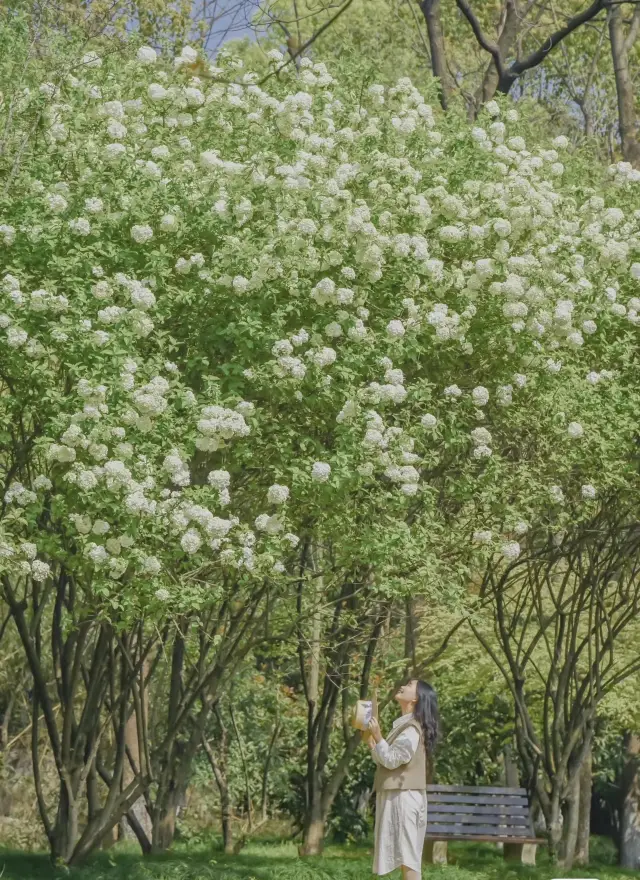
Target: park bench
{"points": [[482, 815]]}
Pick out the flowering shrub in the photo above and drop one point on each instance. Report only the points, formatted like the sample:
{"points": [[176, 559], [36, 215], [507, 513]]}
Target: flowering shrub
{"points": [[236, 314]]}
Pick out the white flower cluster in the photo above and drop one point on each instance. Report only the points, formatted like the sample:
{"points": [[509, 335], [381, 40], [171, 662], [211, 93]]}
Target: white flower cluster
{"points": [[219, 424]]}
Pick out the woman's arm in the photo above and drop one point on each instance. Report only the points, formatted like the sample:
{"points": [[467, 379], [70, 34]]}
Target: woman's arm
{"points": [[400, 752]]}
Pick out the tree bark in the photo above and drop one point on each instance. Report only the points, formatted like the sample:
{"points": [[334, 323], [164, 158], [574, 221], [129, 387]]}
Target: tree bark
{"points": [[512, 778], [132, 766], [267, 767], [584, 819], [627, 121], [508, 31], [571, 815], [630, 824], [313, 831], [431, 11], [219, 769]]}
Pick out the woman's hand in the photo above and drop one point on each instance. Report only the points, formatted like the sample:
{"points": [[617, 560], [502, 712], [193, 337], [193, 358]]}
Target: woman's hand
{"points": [[374, 730]]}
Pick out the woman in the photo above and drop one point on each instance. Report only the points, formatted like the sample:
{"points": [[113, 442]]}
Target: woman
{"points": [[401, 780]]}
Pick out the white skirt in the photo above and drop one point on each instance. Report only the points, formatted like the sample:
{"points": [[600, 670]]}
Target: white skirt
{"points": [[401, 823]]}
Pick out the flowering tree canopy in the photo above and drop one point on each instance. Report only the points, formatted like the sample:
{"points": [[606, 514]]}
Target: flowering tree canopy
{"points": [[236, 313]]}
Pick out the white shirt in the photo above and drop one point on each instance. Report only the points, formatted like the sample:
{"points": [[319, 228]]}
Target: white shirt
{"points": [[402, 750]]}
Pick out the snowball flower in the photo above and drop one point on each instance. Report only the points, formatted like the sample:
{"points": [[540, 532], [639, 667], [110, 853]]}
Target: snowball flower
{"points": [[191, 541], [481, 436], [141, 234], [556, 494], [156, 92], [168, 222], [57, 203], [94, 206], [147, 55], [575, 430], [40, 571], [395, 329], [115, 151], [428, 421], [510, 550], [480, 396], [80, 226], [278, 494], [219, 479], [320, 472]]}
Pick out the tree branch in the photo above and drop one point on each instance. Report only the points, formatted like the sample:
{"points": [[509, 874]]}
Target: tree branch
{"points": [[492, 48], [537, 57]]}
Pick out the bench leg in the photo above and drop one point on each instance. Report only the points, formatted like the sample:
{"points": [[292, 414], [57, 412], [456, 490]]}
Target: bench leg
{"points": [[525, 853], [435, 852]]}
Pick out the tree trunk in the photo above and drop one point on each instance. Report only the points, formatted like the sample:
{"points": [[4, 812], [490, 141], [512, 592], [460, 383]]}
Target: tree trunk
{"points": [[410, 634], [267, 766], [164, 820], [139, 809], [431, 11], [584, 819], [630, 824], [571, 815], [511, 774], [508, 30], [219, 769], [66, 829], [624, 87], [313, 832], [554, 825]]}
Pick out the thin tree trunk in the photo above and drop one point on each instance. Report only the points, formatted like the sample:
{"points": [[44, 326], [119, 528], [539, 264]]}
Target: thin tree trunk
{"points": [[245, 768], [630, 823], [554, 825], [267, 767], [584, 820], [511, 775], [132, 766], [431, 11], [508, 30], [410, 634], [219, 771], [313, 830], [627, 120]]}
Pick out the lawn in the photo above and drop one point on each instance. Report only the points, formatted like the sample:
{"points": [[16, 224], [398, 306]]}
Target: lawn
{"points": [[277, 861]]}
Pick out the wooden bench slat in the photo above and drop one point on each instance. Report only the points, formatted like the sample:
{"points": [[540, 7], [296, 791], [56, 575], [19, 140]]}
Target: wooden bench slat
{"points": [[481, 790], [483, 838], [493, 831], [478, 800], [470, 819], [510, 810]]}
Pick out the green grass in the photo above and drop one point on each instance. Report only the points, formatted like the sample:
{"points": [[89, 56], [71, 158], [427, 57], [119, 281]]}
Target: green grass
{"points": [[277, 861]]}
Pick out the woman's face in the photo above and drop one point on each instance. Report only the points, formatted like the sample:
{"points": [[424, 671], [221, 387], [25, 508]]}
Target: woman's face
{"points": [[408, 693]]}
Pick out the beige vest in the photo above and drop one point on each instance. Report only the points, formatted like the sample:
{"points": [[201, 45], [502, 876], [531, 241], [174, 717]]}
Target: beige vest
{"points": [[408, 776]]}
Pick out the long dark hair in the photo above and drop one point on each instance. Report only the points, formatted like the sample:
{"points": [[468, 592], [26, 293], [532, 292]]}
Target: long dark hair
{"points": [[427, 715]]}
